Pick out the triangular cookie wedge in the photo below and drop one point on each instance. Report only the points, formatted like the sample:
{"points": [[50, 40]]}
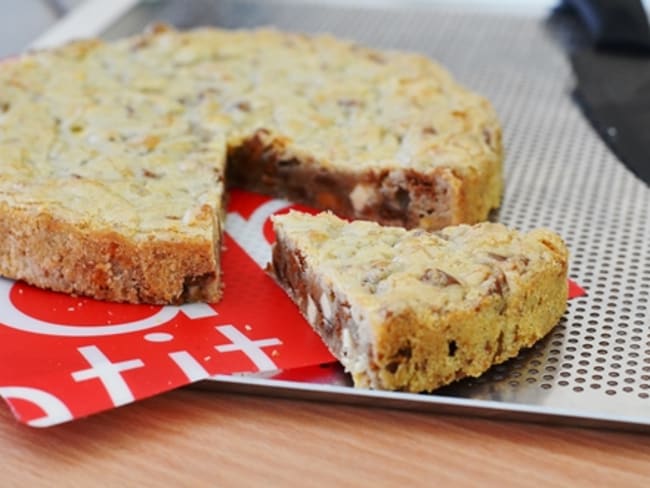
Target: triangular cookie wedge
{"points": [[415, 310]]}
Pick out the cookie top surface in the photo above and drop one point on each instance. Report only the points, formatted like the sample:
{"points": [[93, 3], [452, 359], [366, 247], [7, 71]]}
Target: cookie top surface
{"points": [[342, 104], [80, 140], [148, 119], [388, 269]]}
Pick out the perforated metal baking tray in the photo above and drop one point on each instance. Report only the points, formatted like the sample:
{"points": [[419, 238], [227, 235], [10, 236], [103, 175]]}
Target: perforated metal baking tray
{"points": [[594, 368]]}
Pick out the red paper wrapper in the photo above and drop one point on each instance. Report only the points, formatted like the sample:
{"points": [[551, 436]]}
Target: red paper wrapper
{"points": [[66, 357], [575, 290]]}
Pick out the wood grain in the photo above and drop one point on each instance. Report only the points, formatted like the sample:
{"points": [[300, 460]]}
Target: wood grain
{"points": [[199, 438]]}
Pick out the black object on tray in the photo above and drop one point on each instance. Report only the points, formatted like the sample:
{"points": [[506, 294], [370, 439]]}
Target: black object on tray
{"points": [[609, 46]]}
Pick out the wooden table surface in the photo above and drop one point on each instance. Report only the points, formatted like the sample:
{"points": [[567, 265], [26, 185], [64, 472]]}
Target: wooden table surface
{"points": [[205, 438]]}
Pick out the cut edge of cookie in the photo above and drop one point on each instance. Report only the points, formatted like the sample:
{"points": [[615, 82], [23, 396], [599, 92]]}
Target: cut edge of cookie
{"points": [[265, 162]]}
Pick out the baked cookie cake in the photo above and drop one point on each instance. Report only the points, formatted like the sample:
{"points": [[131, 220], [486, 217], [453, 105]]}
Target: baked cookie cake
{"points": [[114, 156], [415, 310]]}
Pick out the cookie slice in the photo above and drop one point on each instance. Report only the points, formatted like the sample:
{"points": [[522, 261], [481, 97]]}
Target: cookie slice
{"points": [[415, 310]]}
